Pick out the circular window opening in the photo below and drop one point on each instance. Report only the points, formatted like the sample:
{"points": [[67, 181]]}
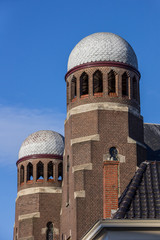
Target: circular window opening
{"points": [[113, 153]]}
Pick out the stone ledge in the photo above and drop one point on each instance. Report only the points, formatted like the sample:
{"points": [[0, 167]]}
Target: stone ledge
{"points": [[85, 139], [103, 106], [79, 194], [38, 190], [131, 140], [87, 166], [30, 215]]}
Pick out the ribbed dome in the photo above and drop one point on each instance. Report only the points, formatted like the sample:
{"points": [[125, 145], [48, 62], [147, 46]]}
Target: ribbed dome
{"points": [[102, 46], [42, 142]]}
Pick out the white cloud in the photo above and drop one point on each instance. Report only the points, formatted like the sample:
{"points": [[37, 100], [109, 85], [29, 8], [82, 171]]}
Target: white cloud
{"points": [[16, 124]]}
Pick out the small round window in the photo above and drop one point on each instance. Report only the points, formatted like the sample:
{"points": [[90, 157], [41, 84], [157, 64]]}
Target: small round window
{"points": [[113, 153]]}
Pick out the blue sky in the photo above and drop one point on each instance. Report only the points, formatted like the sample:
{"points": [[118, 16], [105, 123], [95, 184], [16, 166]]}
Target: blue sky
{"points": [[36, 38]]}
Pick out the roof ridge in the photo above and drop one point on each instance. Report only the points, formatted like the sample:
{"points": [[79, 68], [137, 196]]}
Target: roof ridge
{"points": [[152, 123]]}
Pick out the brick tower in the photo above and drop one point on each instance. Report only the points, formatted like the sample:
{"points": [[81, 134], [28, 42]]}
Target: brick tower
{"points": [[39, 173], [103, 130]]}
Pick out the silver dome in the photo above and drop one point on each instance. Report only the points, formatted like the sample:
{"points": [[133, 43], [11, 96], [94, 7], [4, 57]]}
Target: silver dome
{"points": [[102, 46], [42, 142]]}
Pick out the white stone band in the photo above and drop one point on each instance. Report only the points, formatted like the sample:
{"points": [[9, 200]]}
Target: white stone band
{"points": [[87, 166], [131, 140], [85, 139], [110, 106], [30, 215], [34, 190], [79, 194]]}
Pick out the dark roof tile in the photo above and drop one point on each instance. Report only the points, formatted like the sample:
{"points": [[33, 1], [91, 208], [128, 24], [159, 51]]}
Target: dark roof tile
{"points": [[141, 199]]}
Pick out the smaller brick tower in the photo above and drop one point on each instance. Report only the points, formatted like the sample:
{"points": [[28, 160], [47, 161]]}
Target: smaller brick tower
{"points": [[39, 174]]}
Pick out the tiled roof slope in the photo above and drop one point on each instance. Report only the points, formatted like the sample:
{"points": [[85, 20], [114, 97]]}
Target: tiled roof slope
{"points": [[141, 199], [152, 141]]}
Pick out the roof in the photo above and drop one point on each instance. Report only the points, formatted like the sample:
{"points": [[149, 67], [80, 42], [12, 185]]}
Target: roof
{"points": [[42, 142], [102, 46], [141, 199], [152, 141]]}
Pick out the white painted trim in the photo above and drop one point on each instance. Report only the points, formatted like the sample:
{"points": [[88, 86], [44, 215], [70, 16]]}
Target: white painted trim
{"points": [[30, 215], [85, 139], [27, 238], [34, 190], [102, 106], [61, 211], [43, 230], [79, 194], [87, 166], [121, 223], [131, 140]]}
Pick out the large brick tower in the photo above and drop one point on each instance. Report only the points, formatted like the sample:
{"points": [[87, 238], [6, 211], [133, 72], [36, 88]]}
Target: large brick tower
{"points": [[103, 130], [39, 172]]}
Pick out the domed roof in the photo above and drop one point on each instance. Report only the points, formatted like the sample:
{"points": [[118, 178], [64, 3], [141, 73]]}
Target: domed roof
{"points": [[102, 46], [42, 142]]}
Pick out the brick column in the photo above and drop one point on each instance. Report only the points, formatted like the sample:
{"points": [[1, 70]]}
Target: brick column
{"points": [[110, 187]]}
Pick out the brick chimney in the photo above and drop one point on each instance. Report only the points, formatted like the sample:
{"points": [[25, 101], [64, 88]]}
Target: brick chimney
{"points": [[110, 188]]}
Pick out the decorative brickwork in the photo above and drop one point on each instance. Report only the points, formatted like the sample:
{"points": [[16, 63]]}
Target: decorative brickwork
{"points": [[110, 187]]}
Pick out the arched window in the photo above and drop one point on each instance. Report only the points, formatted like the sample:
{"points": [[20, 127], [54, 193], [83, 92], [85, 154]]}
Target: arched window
{"points": [[18, 177], [84, 84], [60, 171], [22, 174], [40, 170], [49, 232], [97, 82], [67, 93], [29, 172], [50, 170], [134, 87], [113, 153], [111, 82], [68, 166], [16, 235], [73, 88], [125, 84]]}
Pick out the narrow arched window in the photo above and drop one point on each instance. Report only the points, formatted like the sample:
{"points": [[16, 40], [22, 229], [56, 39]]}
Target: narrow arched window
{"points": [[16, 235], [111, 82], [68, 166], [22, 174], [124, 84], [50, 170], [60, 171], [18, 177], [84, 84], [49, 232], [40, 170], [134, 88], [29, 172], [97, 82], [113, 153], [73, 88], [67, 93]]}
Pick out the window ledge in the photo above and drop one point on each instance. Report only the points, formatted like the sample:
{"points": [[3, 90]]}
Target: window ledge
{"points": [[74, 99], [39, 180], [50, 180], [29, 181], [113, 94], [99, 94], [84, 96]]}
